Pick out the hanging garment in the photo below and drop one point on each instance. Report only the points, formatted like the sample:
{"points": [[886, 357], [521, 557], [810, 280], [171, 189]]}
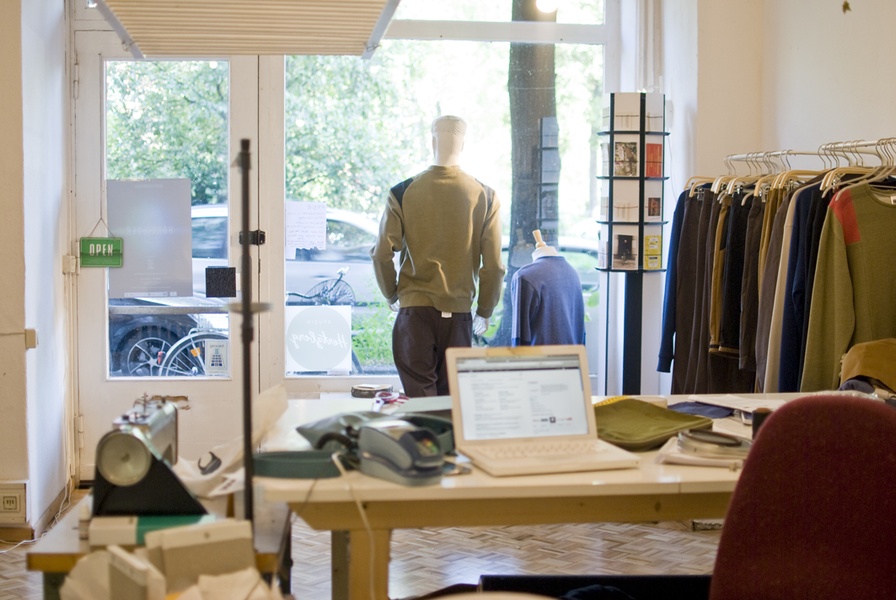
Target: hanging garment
{"points": [[666, 355], [792, 323], [681, 289], [771, 294], [749, 295], [773, 199], [855, 283], [733, 274], [711, 372], [815, 222], [719, 251], [697, 381], [723, 365]]}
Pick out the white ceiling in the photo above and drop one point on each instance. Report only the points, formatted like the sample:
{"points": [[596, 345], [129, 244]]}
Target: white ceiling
{"points": [[214, 28]]}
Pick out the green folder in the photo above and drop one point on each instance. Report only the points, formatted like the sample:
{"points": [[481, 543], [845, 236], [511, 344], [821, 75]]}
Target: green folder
{"points": [[637, 425]]}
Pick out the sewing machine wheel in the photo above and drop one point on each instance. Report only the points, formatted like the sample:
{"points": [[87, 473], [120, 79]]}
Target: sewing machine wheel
{"points": [[123, 458]]}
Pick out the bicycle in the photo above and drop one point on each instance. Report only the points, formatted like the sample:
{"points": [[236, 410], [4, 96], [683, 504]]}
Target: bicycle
{"points": [[330, 292], [187, 357]]}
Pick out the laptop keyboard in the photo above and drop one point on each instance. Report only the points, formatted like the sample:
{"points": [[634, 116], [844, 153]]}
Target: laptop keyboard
{"points": [[542, 449]]}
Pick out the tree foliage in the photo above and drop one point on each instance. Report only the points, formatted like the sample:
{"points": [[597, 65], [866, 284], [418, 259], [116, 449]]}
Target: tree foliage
{"points": [[168, 119], [351, 130]]}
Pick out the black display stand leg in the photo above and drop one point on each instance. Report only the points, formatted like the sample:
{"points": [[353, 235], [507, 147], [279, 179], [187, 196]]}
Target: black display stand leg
{"points": [[631, 344]]}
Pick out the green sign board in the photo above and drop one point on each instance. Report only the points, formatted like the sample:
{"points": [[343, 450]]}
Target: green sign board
{"points": [[101, 252]]}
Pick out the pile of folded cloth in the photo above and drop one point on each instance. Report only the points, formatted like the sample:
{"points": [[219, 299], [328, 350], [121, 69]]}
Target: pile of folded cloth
{"points": [[870, 367]]}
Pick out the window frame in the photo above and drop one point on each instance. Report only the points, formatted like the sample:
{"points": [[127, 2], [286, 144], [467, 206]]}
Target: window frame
{"points": [[270, 172]]}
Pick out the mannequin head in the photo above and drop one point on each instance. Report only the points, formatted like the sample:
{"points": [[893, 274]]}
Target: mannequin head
{"points": [[541, 248], [448, 140], [544, 250]]}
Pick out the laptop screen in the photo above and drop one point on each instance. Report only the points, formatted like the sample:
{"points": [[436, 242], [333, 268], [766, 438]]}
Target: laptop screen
{"points": [[503, 397]]}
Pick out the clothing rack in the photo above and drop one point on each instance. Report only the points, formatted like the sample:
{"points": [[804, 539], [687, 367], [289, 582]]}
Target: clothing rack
{"points": [[833, 153], [771, 248]]}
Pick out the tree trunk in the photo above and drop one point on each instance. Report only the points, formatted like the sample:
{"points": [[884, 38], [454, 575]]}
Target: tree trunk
{"points": [[530, 84]]}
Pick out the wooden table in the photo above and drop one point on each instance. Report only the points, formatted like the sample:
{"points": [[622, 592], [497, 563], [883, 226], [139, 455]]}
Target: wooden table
{"points": [[362, 511], [57, 552]]}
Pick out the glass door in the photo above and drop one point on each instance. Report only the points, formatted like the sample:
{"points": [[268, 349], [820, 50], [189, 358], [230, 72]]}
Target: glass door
{"points": [[155, 143]]}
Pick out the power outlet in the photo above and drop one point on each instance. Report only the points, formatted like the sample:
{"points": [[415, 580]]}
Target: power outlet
{"points": [[12, 503]]}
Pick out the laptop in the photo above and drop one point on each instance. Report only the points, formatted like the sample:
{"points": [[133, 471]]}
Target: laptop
{"points": [[527, 410]]}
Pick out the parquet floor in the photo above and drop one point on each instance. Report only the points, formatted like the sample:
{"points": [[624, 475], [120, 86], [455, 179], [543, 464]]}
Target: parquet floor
{"points": [[15, 582], [427, 560]]}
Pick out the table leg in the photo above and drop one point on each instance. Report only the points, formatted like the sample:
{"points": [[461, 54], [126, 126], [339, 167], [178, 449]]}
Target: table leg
{"points": [[53, 584], [339, 565], [360, 564]]}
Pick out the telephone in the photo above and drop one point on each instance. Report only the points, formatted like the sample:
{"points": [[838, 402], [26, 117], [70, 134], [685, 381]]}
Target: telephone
{"points": [[399, 451]]}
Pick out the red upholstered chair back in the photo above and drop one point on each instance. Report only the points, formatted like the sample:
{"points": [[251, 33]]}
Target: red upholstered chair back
{"points": [[814, 511]]}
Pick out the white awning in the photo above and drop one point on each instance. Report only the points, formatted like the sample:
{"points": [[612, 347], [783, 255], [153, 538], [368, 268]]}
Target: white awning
{"points": [[216, 28]]}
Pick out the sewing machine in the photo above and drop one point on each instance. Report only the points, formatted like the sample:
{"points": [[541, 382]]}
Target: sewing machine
{"points": [[133, 464]]}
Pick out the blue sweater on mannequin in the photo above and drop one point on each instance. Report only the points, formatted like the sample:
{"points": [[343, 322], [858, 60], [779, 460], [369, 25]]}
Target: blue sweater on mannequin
{"points": [[548, 307]]}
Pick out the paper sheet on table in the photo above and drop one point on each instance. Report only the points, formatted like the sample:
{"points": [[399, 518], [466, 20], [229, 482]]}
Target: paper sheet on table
{"points": [[306, 226], [88, 579], [241, 585], [747, 405], [670, 454], [230, 484], [266, 411]]}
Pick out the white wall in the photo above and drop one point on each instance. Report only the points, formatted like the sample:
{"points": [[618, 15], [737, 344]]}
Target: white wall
{"points": [[827, 76], [711, 72], [710, 69], [744, 76], [32, 127], [45, 208], [14, 465]]}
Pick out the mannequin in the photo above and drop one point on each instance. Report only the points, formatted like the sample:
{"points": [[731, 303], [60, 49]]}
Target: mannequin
{"points": [[541, 248], [447, 143], [446, 226], [548, 307], [448, 140]]}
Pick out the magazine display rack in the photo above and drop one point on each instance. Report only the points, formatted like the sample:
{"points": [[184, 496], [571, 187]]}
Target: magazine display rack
{"points": [[630, 216], [631, 208]]}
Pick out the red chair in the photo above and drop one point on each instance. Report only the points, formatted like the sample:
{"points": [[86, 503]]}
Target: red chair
{"points": [[814, 511]]}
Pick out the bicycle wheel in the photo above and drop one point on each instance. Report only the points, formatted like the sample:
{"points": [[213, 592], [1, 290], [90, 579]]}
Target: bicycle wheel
{"points": [[331, 292], [142, 356], [186, 358]]}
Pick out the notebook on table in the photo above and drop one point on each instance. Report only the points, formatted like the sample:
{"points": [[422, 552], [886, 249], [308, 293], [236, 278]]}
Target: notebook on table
{"points": [[527, 410]]}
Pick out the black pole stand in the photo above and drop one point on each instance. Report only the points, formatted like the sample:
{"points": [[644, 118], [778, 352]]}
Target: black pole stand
{"points": [[631, 345], [248, 333]]}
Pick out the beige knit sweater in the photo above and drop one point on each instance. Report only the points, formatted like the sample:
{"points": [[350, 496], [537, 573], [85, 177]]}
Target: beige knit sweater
{"points": [[446, 226]]}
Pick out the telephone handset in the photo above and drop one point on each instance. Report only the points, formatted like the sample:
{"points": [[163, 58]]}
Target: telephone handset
{"points": [[399, 451]]}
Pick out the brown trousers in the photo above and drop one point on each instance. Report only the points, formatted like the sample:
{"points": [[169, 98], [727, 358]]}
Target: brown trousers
{"points": [[419, 339]]}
